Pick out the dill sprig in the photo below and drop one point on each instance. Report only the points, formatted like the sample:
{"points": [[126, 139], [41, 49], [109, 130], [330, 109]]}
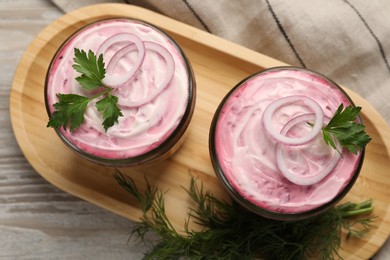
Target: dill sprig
{"points": [[233, 233]]}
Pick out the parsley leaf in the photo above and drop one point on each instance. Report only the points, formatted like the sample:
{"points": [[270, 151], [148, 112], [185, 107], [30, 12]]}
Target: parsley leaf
{"points": [[344, 127], [92, 70], [70, 108], [109, 107]]}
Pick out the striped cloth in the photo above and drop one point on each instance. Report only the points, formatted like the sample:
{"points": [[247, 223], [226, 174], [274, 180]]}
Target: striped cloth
{"points": [[347, 40]]}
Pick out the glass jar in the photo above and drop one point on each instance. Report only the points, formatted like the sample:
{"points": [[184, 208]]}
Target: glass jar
{"points": [[256, 167], [157, 101]]}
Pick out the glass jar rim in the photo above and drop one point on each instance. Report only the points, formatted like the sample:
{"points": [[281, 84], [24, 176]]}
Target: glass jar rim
{"points": [[155, 153], [240, 199]]}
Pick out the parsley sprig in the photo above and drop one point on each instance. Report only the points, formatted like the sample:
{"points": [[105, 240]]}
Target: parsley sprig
{"points": [[70, 108], [344, 127], [233, 233]]}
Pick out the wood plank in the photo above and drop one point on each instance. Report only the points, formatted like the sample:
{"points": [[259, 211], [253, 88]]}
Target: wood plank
{"points": [[38, 220]]}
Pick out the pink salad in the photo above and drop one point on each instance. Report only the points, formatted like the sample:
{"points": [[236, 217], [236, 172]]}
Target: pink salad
{"points": [[255, 134], [149, 76]]}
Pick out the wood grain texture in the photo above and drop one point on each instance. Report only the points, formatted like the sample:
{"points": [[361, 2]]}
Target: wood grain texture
{"points": [[218, 66], [38, 220]]}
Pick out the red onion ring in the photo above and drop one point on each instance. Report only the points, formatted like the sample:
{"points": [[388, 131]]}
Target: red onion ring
{"points": [[166, 55], [115, 80], [271, 108], [119, 54], [304, 180]]}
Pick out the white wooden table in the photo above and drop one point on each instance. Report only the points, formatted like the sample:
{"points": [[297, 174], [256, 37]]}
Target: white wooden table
{"points": [[37, 220]]}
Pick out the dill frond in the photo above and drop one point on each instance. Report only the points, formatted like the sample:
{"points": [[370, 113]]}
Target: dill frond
{"points": [[233, 233]]}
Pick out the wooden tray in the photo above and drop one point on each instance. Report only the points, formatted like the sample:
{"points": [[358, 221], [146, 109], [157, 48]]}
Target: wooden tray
{"points": [[218, 66]]}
